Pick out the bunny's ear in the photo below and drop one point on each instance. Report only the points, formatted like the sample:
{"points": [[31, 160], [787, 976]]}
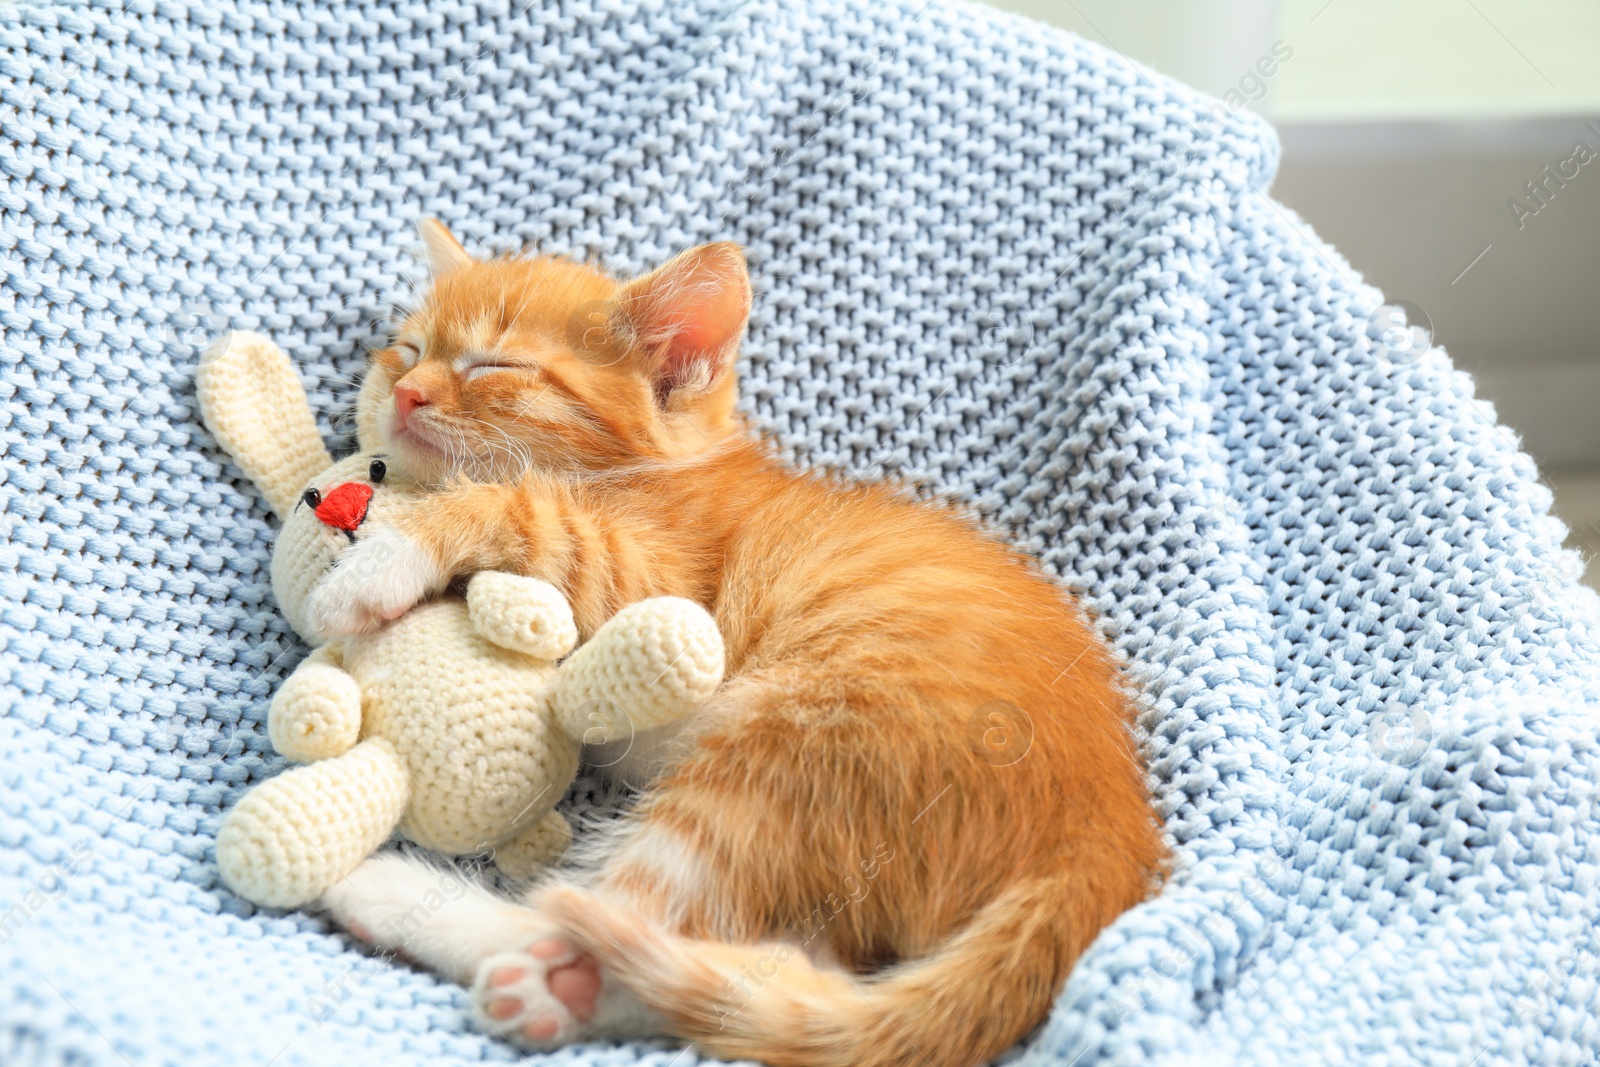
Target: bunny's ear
{"points": [[253, 403]]}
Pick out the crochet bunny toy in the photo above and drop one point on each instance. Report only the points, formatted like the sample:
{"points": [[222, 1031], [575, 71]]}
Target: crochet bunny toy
{"points": [[452, 723]]}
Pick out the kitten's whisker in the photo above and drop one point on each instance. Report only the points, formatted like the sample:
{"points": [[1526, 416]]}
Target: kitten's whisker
{"points": [[518, 452]]}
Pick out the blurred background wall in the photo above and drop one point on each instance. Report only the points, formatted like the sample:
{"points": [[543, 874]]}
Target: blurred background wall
{"points": [[1451, 150]]}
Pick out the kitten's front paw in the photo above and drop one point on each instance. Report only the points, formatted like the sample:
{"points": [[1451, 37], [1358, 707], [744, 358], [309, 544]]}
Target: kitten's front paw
{"points": [[377, 579], [539, 998]]}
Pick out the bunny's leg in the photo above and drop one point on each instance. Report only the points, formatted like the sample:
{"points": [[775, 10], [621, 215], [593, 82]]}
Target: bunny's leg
{"points": [[292, 837], [642, 673], [535, 849]]}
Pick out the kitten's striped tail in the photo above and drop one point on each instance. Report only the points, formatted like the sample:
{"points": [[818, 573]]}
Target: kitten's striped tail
{"points": [[963, 1005]]}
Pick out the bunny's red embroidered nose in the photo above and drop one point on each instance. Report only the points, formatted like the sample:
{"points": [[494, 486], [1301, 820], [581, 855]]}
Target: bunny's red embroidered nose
{"points": [[345, 506]]}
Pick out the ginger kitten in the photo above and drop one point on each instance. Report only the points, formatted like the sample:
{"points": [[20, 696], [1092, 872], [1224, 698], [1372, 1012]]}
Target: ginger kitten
{"points": [[912, 805]]}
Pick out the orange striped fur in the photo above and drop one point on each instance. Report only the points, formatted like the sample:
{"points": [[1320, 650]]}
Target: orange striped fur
{"points": [[862, 797]]}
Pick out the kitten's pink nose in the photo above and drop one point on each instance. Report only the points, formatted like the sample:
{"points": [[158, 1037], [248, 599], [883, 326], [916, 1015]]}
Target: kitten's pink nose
{"points": [[407, 400]]}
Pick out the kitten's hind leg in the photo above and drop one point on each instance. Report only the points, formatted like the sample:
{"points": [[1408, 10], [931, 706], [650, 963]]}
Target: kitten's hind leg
{"points": [[545, 991], [532, 986], [434, 915]]}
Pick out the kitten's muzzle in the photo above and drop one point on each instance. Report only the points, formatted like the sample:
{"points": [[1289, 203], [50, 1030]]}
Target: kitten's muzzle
{"points": [[406, 400], [344, 507]]}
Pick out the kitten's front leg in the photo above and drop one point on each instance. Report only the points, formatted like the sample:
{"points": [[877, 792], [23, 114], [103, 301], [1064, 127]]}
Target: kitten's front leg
{"points": [[600, 558], [376, 579], [411, 553]]}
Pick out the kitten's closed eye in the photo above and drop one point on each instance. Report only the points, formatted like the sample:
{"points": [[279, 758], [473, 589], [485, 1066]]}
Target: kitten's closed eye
{"points": [[478, 370], [408, 351]]}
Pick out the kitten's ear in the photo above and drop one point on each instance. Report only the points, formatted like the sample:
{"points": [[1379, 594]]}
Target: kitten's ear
{"points": [[686, 317], [445, 253]]}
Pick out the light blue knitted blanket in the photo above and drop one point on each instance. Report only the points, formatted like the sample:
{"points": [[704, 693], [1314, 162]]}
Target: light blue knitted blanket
{"points": [[988, 255]]}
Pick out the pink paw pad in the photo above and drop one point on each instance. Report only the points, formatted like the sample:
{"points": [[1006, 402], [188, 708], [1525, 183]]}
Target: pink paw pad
{"points": [[577, 986], [541, 1029], [549, 949], [505, 976], [504, 1007], [542, 994]]}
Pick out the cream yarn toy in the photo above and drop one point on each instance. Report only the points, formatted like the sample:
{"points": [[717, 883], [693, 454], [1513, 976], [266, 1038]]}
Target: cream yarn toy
{"points": [[453, 723]]}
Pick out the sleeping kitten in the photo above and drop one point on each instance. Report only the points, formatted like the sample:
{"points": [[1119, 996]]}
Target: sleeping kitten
{"points": [[912, 805]]}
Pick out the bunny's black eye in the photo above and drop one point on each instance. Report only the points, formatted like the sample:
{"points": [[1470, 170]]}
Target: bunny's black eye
{"points": [[376, 472], [311, 498]]}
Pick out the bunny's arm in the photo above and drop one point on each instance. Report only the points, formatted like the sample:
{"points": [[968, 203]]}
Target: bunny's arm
{"points": [[654, 663], [521, 614], [317, 711]]}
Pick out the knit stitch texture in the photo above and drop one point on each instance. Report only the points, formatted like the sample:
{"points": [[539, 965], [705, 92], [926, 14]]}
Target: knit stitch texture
{"points": [[987, 255]]}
